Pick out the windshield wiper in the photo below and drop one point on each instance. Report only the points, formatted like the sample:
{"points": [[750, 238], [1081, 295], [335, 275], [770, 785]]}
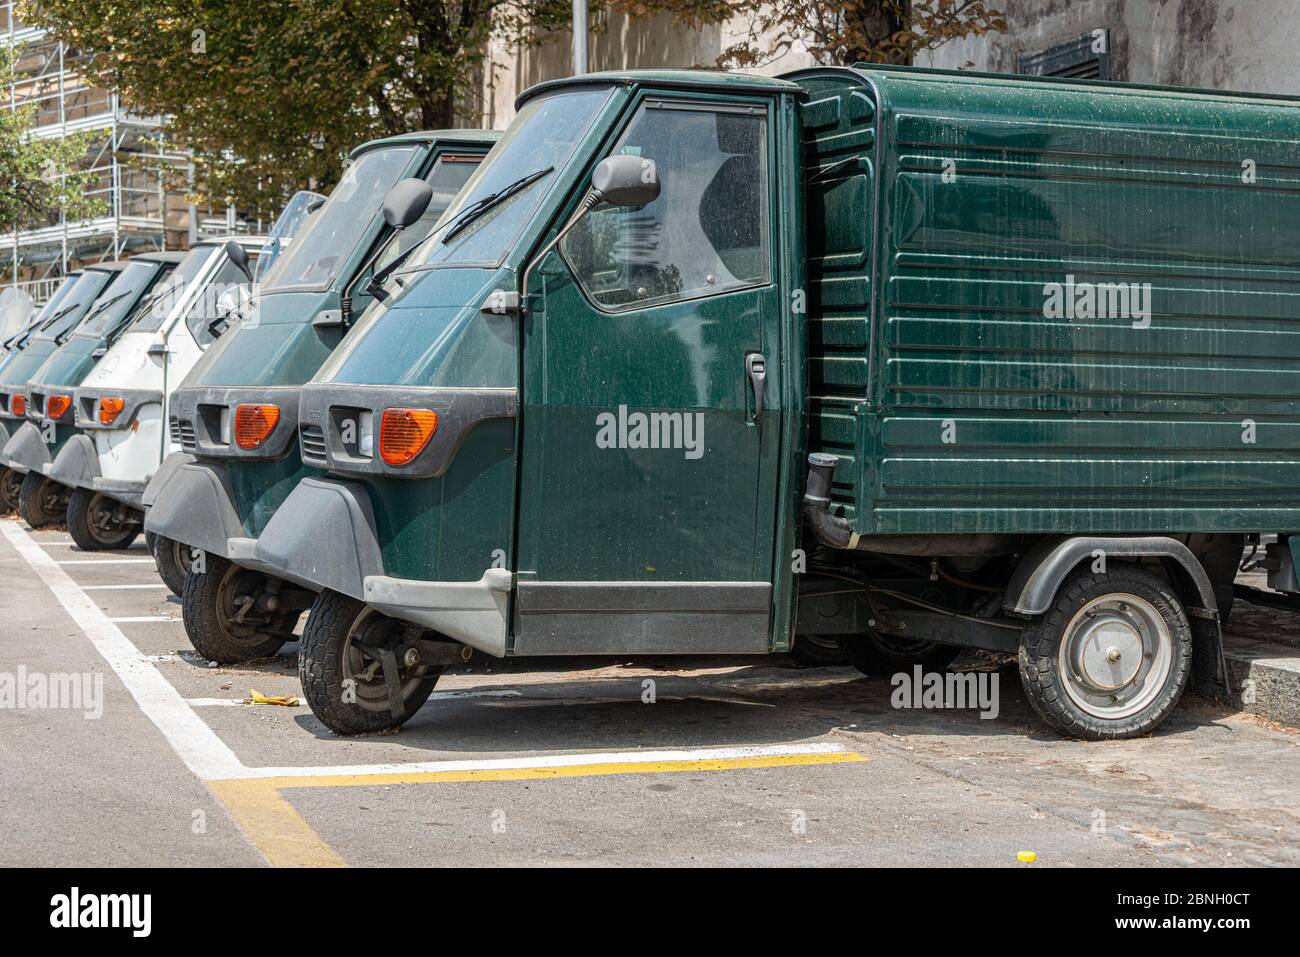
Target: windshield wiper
{"points": [[477, 209], [466, 216], [63, 337]]}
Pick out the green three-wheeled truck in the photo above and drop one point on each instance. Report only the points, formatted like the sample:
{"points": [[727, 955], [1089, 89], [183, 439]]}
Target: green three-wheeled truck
{"points": [[706, 363]]}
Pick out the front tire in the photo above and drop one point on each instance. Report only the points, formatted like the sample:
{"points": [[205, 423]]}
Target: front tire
{"points": [[42, 501], [11, 481], [817, 650], [98, 523], [1110, 658], [219, 608], [343, 684], [174, 560]]}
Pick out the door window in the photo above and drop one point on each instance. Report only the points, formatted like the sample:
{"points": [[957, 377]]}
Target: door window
{"points": [[708, 229]]}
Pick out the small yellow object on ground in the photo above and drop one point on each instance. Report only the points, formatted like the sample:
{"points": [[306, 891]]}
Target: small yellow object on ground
{"points": [[285, 700], [1027, 857]]}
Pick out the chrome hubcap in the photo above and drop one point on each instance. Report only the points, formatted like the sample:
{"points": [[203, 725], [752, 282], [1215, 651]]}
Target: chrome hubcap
{"points": [[1116, 655]]}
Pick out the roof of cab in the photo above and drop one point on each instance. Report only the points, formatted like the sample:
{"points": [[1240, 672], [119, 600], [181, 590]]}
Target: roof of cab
{"points": [[166, 256], [469, 137], [673, 79], [116, 265]]}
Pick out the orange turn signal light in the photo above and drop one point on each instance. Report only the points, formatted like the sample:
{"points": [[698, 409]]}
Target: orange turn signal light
{"points": [[109, 410], [19, 405], [56, 405], [403, 434], [254, 424]]}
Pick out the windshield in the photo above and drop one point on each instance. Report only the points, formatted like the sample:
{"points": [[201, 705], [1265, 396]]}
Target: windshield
{"points": [[57, 301], [288, 225], [149, 315], [119, 298], [544, 134], [89, 286], [331, 233]]}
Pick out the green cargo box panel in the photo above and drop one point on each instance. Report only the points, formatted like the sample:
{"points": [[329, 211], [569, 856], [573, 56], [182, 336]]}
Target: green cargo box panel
{"points": [[1083, 302]]}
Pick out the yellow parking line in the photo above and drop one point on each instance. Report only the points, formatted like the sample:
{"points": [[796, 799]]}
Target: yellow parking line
{"points": [[287, 840], [273, 825]]}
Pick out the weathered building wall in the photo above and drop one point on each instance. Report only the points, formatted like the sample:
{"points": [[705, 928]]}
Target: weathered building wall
{"points": [[618, 44], [1250, 45]]}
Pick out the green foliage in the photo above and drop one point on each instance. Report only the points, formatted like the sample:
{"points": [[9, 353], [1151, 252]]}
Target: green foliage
{"points": [[271, 95], [41, 176]]}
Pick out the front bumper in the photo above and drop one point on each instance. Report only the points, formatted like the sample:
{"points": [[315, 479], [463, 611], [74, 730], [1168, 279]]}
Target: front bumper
{"points": [[26, 451], [195, 506], [166, 472], [323, 536]]}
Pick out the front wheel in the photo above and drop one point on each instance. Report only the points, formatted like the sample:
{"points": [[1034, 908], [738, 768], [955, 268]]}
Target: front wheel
{"points": [[341, 668], [42, 501], [11, 481], [97, 522], [1110, 658], [816, 650], [174, 560], [223, 614]]}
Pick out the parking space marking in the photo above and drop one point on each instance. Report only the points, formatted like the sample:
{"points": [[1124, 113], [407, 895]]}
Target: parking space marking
{"points": [[106, 561], [274, 826], [253, 796], [119, 587], [194, 742], [287, 840]]}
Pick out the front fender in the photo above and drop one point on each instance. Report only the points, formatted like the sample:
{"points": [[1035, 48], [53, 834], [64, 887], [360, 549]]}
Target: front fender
{"points": [[322, 536], [197, 508], [166, 472], [27, 450], [77, 463]]}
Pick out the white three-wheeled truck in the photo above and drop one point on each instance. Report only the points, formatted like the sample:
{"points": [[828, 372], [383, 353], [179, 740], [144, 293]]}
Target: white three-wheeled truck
{"points": [[121, 405]]}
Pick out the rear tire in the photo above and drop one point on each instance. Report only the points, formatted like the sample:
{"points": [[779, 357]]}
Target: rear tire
{"points": [[10, 482], [343, 685], [174, 560], [98, 523], [42, 501], [1110, 658], [880, 656], [210, 606]]}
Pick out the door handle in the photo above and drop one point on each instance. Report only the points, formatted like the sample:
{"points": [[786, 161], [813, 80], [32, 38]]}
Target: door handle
{"points": [[756, 369]]}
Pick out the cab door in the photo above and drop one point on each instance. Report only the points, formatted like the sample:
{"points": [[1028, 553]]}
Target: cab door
{"points": [[650, 418]]}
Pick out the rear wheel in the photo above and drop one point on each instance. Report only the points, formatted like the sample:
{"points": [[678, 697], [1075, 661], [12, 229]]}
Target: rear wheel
{"points": [[42, 501], [340, 664], [224, 614], [97, 522], [880, 656], [174, 560], [10, 482], [1110, 658]]}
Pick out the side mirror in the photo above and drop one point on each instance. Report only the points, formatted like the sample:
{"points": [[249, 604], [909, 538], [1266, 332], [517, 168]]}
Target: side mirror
{"points": [[238, 255], [406, 202], [625, 181], [315, 204]]}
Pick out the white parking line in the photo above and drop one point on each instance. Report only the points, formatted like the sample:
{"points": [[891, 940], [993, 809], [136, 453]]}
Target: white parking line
{"points": [[193, 741], [108, 561], [117, 587]]}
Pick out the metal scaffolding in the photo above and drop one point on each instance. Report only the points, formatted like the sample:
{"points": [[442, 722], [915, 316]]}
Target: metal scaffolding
{"points": [[135, 170]]}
